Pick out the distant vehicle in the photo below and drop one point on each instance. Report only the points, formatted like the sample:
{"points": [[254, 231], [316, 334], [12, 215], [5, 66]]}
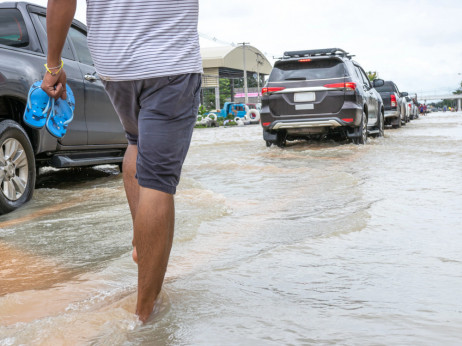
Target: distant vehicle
{"points": [[239, 110], [416, 107], [313, 93], [232, 109], [394, 104], [410, 109], [413, 107]]}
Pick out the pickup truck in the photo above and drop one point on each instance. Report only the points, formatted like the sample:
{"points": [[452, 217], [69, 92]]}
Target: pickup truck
{"points": [[394, 103], [94, 137]]}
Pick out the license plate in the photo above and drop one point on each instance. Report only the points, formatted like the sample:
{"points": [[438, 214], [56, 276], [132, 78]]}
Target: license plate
{"points": [[304, 107], [305, 97]]}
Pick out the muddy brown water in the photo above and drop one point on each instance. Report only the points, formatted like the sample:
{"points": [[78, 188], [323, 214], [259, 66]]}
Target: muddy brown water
{"points": [[318, 243]]}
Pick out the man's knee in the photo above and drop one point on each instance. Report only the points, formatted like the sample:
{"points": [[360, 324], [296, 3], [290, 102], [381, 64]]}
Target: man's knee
{"points": [[129, 163]]}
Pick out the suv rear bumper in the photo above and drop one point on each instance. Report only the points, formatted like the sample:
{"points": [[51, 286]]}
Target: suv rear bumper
{"points": [[391, 113], [277, 125], [350, 116]]}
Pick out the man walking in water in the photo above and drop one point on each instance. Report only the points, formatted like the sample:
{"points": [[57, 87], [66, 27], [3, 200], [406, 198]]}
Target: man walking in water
{"points": [[146, 52]]}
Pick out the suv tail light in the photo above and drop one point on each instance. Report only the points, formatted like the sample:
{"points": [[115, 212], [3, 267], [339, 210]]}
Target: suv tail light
{"points": [[348, 86], [393, 100], [271, 90]]}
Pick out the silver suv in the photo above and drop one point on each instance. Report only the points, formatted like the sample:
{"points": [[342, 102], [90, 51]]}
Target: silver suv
{"points": [[314, 93]]}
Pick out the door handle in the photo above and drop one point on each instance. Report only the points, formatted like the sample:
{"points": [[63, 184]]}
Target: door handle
{"points": [[91, 78]]}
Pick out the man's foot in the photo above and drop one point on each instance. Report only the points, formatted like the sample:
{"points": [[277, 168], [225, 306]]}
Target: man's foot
{"points": [[135, 255]]}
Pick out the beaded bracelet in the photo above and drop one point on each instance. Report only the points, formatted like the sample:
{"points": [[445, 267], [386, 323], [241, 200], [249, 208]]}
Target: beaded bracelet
{"points": [[60, 67]]}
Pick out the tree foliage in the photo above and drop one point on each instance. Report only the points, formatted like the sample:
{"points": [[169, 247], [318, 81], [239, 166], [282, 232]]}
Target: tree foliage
{"points": [[459, 90], [225, 94], [372, 75]]}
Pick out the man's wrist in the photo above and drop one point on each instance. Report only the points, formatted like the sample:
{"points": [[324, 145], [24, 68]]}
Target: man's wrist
{"points": [[54, 70], [54, 62]]}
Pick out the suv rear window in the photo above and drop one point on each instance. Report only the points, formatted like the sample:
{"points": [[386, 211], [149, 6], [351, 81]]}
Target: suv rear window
{"points": [[315, 69], [387, 88], [13, 31]]}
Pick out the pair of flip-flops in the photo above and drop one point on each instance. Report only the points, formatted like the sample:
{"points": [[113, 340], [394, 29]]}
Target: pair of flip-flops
{"points": [[41, 110]]}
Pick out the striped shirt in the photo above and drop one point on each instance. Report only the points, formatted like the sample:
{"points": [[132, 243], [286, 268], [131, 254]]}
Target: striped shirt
{"points": [[140, 39]]}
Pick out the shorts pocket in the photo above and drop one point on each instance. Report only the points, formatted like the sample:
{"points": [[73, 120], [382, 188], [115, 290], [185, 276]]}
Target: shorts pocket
{"points": [[197, 94]]}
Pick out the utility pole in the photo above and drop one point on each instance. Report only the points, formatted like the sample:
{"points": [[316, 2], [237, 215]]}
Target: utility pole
{"points": [[246, 99], [259, 62]]}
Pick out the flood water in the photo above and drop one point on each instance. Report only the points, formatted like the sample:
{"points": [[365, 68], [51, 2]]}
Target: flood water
{"points": [[318, 243]]}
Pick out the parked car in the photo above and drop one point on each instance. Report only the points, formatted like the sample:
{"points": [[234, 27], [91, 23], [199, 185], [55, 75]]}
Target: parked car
{"points": [[412, 107], [94, 137], [416, 107], [312, 93], [394, 104]]}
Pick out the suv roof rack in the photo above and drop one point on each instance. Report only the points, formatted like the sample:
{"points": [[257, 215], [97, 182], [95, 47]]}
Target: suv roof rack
{"points": [[317, 52]]}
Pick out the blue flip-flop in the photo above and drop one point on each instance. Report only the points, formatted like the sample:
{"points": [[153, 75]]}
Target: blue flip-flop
{"points": [[61, 115], [38, 106]]}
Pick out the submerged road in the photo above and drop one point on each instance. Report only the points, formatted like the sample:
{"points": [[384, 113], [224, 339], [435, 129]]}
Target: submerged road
{"points": [[317, 243]]}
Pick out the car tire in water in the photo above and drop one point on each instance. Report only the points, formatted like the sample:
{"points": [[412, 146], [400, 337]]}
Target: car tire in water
{"points": [[403, 120], [17, 167], [398, 123], [380, 125], [281, 139], [362, 138]]}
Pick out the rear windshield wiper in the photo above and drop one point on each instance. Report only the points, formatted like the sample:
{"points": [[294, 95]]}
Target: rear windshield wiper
{"points": [[296, 78]]}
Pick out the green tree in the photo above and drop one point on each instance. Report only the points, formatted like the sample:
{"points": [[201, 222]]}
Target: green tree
{"points": [[225, 94], [252, 82], [372, 75], [459, 90]]}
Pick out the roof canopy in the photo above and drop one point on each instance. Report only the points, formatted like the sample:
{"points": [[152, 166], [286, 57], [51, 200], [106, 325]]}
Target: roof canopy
{"points": [[232, 58]]}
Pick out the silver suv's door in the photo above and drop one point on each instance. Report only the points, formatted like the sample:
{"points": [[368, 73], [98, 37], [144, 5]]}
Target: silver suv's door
{"points": [[371, 98]]}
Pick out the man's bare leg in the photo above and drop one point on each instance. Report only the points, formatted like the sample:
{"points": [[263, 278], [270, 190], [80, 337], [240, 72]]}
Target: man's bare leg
{"points": [[154, 226], [132, 189]]}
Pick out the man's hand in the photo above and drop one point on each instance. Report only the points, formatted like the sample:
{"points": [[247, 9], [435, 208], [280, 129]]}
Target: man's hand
{"points": [[55, 86], [59, 18]]}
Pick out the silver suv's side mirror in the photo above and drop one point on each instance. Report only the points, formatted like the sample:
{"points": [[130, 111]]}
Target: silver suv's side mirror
{"points": [[377, 83], [403, 94]]}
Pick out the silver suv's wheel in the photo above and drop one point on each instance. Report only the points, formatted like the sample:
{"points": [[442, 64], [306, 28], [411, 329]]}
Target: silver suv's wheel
{"points": [[17, 166], [380, 125]]}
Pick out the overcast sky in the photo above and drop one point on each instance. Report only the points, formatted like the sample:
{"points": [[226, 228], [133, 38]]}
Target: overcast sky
{"points": [[416, 43]]}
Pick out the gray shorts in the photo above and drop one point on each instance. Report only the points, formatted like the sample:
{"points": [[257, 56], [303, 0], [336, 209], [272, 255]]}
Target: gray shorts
{"points": [[158, 116]]}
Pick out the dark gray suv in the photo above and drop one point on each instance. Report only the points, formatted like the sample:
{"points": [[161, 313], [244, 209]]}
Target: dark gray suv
{"points": [[314, 93]]}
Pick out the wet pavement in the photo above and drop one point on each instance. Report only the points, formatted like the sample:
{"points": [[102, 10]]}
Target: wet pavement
{"points": [[318, 243]]}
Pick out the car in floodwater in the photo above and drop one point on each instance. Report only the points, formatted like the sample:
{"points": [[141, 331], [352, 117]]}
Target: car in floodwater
{"points": [[394, 103], [313, 93]]}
